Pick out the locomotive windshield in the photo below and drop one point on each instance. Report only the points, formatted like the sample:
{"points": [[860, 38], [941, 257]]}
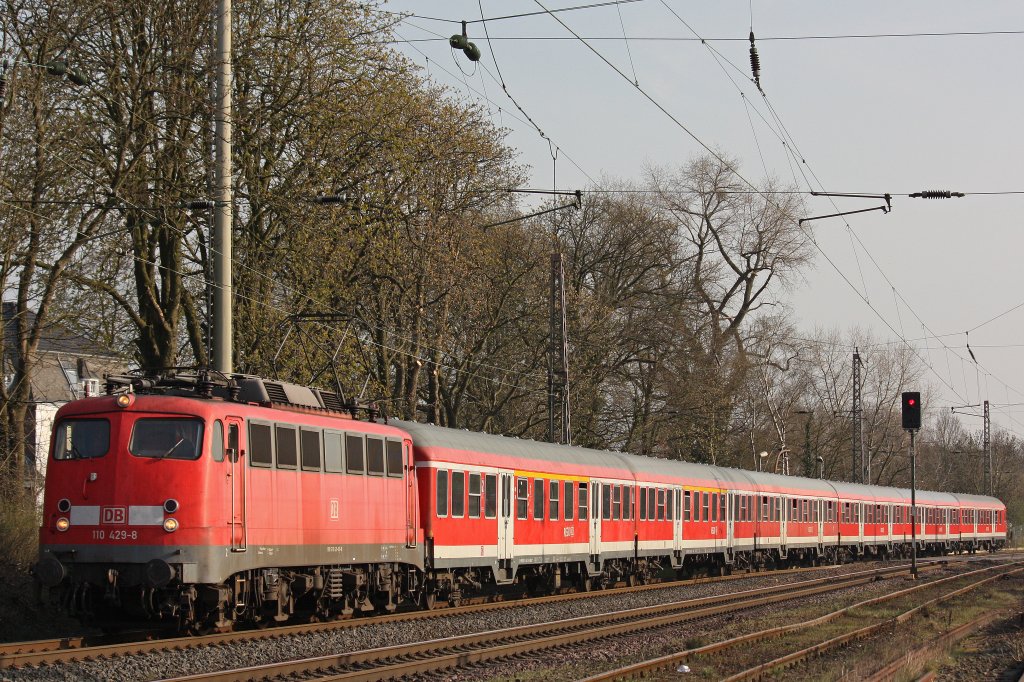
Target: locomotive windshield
{"points": [[162, 437], [81, 439]]}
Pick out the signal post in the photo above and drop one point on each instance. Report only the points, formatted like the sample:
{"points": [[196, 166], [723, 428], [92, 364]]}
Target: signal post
{"points": [[912, 423]]}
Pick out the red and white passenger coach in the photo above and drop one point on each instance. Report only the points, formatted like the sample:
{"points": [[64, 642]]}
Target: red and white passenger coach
{"points": [[206, 500]]}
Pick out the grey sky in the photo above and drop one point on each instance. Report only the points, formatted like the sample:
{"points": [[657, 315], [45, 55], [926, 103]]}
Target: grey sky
{"points": [[892, 114]]}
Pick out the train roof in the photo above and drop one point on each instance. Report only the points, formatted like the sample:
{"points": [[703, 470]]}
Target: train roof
{"points": [[431, 436]]}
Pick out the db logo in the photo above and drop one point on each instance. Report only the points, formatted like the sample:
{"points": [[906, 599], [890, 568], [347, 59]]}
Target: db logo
{"points": [[334, 508], [114, 515]]}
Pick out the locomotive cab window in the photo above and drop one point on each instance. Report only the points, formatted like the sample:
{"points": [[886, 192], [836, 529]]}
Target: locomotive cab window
{"points": [[394, 456], [333, 452], [375, 457], [217, 441], [81, 439], [170, 438], [287, 450]]}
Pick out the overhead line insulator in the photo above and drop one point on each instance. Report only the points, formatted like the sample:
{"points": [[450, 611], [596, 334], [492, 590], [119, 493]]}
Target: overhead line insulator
{"points": [[755, 62], [936, 194]]}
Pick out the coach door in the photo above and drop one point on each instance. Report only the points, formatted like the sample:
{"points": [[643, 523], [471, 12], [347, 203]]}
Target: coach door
{"points": [[506, 524], [785, 512], [235, 455], [729, 515], [677, 519], [595, 519]]}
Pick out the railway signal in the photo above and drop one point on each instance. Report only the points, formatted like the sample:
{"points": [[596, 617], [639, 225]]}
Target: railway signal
{"points": [[912, 410], [912, 422]]}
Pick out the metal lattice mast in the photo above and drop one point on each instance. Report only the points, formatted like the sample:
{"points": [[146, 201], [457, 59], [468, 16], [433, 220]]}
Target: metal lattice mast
{"points": [[987, 447], [861, 472], [558, 358]]}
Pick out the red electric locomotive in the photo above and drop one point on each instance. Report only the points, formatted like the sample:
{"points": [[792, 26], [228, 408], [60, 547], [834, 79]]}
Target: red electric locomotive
{"points": [[194, 499], [206, 500]]}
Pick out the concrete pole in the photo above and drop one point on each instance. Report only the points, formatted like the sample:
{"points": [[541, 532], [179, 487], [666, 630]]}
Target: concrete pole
{"points": [[222, 333]]}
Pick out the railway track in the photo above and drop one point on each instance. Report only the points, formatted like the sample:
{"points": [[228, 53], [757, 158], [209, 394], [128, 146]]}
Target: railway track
{"points": [[467, 650], [978, 578], [77, 649], [70, 649]]}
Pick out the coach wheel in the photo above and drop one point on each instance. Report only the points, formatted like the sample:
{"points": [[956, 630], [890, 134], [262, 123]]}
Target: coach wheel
{"points": [[429, 599]]}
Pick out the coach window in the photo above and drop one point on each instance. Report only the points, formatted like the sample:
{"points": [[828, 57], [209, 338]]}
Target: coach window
{"points": [[538, 499], [553, 500], [261, 448], [721, 506], [661, 504], [375, 458], [474, 496], [714, 506], [651, 503], [606, 501], [616, 502], [396, 467], [643, 504], [354, 453], [333, 453], [581, 499], [490, 496], [627, 503], [567, 503], [704, 509], [442, 493], [669, 494], [458, 494], [522, 497], [309, 442], [687, 513]]}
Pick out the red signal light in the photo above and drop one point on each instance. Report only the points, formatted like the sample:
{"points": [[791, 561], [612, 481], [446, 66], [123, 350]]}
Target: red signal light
{"points": [[911, 402]]}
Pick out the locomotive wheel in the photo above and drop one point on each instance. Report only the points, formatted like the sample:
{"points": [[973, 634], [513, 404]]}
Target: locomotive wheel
{"points": [[429, 600]]}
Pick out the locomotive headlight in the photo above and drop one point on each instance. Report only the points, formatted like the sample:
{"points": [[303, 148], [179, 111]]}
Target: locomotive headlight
{"points": [[64, 505], [170, 505], [124, 400], [62, 524], [170, 524]]}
